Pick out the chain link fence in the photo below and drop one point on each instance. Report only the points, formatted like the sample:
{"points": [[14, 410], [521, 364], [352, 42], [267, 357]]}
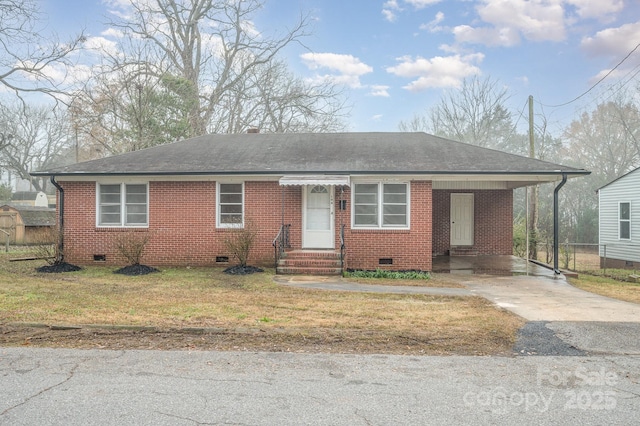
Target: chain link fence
{"points": [[571, 256], [590, 258]]}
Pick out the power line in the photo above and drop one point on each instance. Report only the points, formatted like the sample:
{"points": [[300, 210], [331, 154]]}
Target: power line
{"points": [[598, 82], [514, 128]]}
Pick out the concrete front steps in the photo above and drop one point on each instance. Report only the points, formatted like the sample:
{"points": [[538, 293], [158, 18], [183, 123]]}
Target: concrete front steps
{"points": [[463, 251], [310, 262]]}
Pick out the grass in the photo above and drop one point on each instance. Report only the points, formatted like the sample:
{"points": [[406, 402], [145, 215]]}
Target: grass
{"points": [[615, 274], [206, 297], [610, 287]]}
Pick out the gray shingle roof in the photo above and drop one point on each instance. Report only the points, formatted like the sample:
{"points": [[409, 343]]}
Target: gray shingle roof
{"points": [[35, 216], [296, 153]]}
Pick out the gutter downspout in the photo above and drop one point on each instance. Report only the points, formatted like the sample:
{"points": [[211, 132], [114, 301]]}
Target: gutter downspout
{"points": [[60, 218], [556, 225]]}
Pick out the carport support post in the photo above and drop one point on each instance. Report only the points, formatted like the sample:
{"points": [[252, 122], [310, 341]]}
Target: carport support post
{"points": [[556, 225]]}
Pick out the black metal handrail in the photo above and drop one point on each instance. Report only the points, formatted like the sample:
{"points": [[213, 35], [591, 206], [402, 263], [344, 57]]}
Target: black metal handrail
{"points": [[280, 243], [343, 248]]}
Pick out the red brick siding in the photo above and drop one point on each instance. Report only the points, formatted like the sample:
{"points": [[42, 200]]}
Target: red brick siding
{"points": [[182, 223], [409, 249], [183, 229], [493, 227]]}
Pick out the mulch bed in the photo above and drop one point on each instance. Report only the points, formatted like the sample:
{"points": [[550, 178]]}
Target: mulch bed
{"points": [[136, 270], [59, 267], [242, 270]]}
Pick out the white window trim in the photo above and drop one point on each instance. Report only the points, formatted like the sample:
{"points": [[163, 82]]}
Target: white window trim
{"points": [[228, 225], [620, 220], [380, 225], [122, 205]]}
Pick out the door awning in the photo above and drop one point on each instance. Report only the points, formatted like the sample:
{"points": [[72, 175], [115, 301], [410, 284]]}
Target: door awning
{"points": [[315, 180]]}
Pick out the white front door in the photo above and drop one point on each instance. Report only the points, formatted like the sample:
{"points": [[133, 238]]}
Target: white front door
{"points": [[462, 219], [318, 217]]}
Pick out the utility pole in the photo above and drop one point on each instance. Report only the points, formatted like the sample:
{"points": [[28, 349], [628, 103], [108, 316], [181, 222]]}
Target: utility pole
{"points": [[533, 200]]}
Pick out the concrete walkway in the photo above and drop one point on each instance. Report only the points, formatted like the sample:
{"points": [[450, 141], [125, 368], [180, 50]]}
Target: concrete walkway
{"points": [[338, 284]]}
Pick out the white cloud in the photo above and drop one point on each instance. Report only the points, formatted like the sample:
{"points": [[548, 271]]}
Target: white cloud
{"points": [[101, 44], [437, 72], [379, 90], [613, 42], [391, 8], [434, 25], [506, 22], [489, 36], [510, 20], [602, 10], [376, 117], [421, 4], [345, 69], [112, 32], [389, 15], [59, 74]]}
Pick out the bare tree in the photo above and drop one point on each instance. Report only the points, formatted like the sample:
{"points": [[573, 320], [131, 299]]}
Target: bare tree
{"points": [[274, 100], [604, 141], [124, 109], [475, 114], [213, 45], [184, 68], [40, 139], [25, 54]]}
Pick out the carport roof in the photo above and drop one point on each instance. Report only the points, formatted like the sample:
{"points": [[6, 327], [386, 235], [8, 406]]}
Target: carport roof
{"points": [[314, 153]]}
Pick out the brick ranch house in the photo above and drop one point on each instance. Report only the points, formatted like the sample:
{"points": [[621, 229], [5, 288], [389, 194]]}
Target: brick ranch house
{"points": [[391, 200]]}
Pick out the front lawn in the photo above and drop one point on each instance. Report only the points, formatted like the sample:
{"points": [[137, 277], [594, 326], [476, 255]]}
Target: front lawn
{"points": [[606, 286], [260, 314]]}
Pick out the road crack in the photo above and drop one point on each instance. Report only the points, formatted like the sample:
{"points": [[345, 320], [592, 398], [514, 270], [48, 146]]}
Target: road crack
{"points": [[43, 391]]}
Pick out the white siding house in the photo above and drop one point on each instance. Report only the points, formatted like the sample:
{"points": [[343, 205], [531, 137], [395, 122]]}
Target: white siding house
{"points": [[619, 206]]}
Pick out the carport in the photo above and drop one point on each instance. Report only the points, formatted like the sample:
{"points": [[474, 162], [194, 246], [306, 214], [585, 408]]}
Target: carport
{"points": [[499, 265]]}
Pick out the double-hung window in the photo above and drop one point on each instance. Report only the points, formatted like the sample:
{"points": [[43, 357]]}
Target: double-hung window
{"points": [[230, 205], [380, 205], [624, 216], [123, 205]]}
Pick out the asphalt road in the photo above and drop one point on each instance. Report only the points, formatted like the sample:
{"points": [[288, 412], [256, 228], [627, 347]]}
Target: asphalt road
{"points": [[103, 387]]}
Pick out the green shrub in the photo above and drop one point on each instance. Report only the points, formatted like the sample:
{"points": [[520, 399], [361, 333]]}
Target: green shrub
{"points": [[394, 275]]}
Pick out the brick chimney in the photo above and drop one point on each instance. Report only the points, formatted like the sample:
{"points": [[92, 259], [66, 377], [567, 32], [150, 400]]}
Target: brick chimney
{"points": [[253, 130]]}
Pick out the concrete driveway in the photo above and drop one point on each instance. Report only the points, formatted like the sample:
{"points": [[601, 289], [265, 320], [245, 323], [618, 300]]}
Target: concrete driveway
{"points": [[563, 320], [544, 298]]}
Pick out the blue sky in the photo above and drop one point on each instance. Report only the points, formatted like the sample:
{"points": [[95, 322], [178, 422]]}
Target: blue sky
{"points": [[396, 58]]}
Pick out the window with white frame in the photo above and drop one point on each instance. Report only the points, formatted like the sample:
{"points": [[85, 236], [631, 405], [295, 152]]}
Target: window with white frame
{"points": [[123, 205], [624, 216], [380, 205], [230, 205]]}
